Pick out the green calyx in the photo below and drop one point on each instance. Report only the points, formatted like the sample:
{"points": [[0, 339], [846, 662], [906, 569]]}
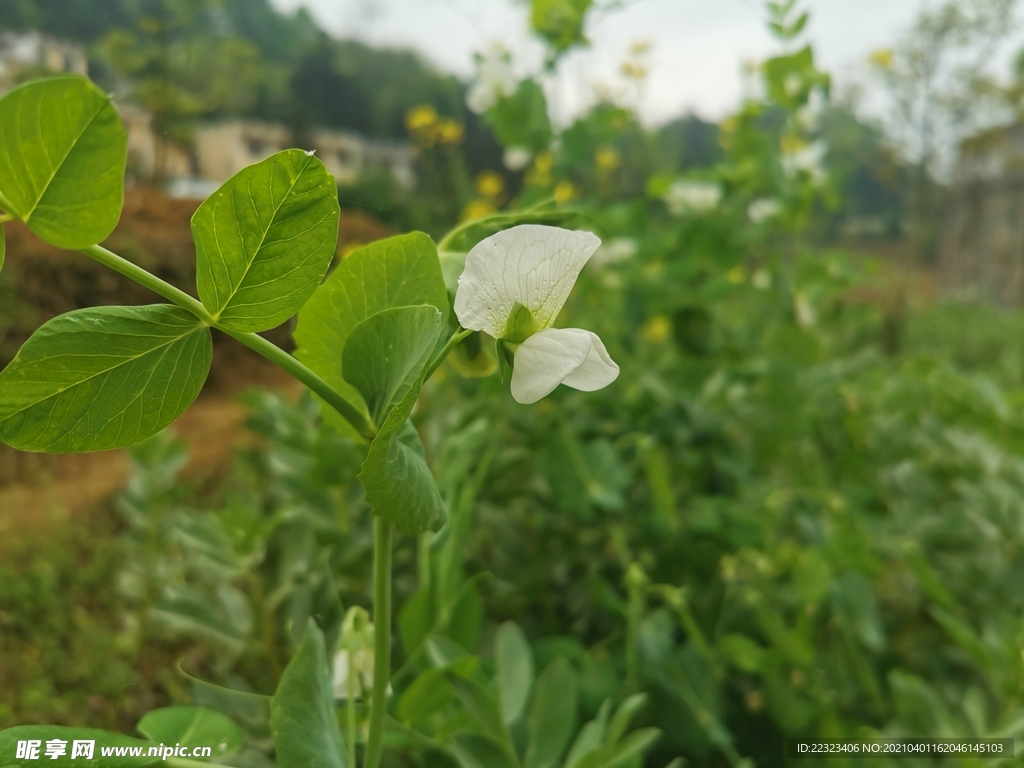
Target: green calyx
{"points": [[520, 326]]}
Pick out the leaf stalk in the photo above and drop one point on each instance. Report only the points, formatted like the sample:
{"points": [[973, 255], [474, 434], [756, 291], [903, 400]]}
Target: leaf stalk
{"points": [[254, 341]]}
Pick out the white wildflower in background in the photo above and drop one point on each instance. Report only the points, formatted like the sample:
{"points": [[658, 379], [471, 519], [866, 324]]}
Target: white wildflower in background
{"points": [[517, 158], [615, 250], [761, 210], [354, 657], [363, 670], [494, 80], [809, 159], [513, 287], [685, 197]]}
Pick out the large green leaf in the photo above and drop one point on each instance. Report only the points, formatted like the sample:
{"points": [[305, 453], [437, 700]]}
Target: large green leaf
{"points": [[387, 353], [397, 480], [265, 239], [552, 717], [515, 669], [303, 720], [401, 271], [193, 726], [103, 378], [63, 152], [385, 359], [124, 750]]}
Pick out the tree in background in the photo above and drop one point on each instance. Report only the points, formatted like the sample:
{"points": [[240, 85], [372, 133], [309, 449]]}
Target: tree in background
{"points": [[940, 88], [183, 62]]}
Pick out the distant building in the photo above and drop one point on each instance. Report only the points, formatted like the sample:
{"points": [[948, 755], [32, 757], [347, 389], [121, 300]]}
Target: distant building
{"points": [[224, 148], [147, 152], [221, 149], [982, 246], [23, 54]]}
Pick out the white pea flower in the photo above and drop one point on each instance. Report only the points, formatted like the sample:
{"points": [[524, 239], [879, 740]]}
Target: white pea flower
{"points": [[361, 667], [810, 159], [517, 158], [612, 252], [692, 196], [494, 80], [513, 287], [354, 657], [761, 210]]}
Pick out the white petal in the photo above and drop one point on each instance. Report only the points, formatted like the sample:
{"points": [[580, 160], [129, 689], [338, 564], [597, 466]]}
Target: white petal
{"points": [[597, 371], [544, 360], [340, 677], [531, 265], [480, 99]]}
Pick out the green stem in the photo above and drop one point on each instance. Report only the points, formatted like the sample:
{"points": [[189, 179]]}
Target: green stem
{"points": [[350, 708], [453, 342], [494, 218], [254, 341], [5, 217], [382, 532]]}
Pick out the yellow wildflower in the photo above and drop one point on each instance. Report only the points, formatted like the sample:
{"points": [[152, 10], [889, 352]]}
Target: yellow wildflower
{"points": [[490, 184], [477, 209], [564, 191], [607, 159], [656, 330]]}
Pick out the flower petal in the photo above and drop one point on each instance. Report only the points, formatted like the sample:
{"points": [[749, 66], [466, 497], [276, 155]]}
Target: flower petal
{"points": [[532, 266], [544, 360], [597, 371]]}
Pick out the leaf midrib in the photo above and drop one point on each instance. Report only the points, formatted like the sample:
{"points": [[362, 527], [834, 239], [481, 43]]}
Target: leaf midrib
{"points": [[80, 382], [56, 170], [263, 239]]}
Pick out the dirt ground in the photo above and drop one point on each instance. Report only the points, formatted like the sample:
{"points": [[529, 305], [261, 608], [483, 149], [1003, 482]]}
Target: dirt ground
{"points": [[37, 490]]}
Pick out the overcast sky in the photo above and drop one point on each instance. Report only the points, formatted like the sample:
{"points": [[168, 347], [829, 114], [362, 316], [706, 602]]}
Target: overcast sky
{"points": [[695, 63]]}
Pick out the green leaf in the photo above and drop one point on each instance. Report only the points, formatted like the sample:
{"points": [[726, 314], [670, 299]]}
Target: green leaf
{"points": [[397, 480], [193, 726], [265, 239], [590, 737], [428, 693], [401, 271], [10, 737], [415, 620], [474, 750], [226, 621], [552, 717], [515, 670], [560, 22], [443, 651], [387, 353], [385, 360], [453, 264], [250, 709], [103, 378], [63, 152], [623, 715], [303, 719], [483, 708], [625, 752]]}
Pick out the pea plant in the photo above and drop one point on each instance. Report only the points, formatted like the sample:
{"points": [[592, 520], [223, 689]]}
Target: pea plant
{"points": [[368, 338]]}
